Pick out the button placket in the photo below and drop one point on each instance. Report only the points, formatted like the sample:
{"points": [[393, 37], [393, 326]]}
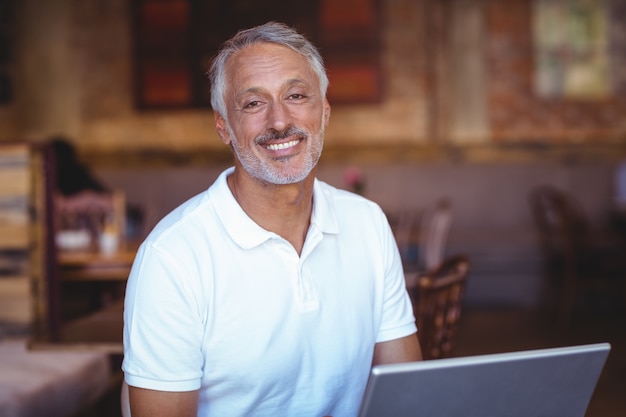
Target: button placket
{"points": [[307, 293]]}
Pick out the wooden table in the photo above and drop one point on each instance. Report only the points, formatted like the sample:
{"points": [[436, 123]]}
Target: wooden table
{"points": [[99, 330], [93, 265]]}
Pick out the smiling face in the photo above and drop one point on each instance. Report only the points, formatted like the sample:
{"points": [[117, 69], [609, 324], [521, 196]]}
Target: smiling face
{"points": [[276, 113]]}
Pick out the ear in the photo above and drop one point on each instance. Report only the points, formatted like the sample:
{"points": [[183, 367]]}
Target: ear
{"points": [[222, 131], [326, 113]]}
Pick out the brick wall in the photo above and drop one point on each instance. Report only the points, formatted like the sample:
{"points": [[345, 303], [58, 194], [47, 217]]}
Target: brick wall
{"points": [[74, 63], [516, 113]]}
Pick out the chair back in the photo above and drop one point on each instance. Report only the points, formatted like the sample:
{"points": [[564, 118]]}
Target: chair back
{"points": [[581, 265], [437, 304], [433, 235], [91, 214], [560, 220], [405, 225]]}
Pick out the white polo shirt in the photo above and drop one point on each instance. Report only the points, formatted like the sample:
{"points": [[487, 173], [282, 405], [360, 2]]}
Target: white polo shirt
{"points": [[216, 302]]}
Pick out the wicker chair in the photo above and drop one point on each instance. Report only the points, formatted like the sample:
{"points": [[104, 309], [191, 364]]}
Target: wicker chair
{"points": [[437, 303]]}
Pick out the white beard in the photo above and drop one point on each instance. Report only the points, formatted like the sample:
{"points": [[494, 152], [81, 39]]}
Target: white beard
{"points": [[266, 171]]}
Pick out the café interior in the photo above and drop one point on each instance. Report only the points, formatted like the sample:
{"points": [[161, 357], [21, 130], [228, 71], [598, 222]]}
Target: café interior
{"points": [[491, 132]]}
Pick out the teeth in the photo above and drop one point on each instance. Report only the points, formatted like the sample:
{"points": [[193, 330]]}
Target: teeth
{"points": [[279, 146]]}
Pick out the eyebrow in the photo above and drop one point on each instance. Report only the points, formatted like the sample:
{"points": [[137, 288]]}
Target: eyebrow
{"points": [[289, 83]]}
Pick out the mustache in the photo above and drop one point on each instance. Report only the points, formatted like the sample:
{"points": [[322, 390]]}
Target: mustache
{"points": [[276, 135]]}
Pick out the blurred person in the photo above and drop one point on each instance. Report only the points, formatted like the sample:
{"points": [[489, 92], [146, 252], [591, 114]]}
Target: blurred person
{"points": [[271, 293], [81, 200], [72, 176]]}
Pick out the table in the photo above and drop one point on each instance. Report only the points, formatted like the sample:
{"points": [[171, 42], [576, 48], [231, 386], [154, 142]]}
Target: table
{"points": [[93, 265], [88, 277]]}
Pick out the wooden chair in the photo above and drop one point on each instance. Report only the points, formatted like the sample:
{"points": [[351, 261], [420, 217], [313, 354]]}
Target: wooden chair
{"points": [[93, 214], [437, 298], [422, 236], [405, 225], [30, 282], [578, 264], [43, 254], [433, 237]]}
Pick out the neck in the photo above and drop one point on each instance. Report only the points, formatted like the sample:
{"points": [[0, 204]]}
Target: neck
{"points": [[282, 209]]}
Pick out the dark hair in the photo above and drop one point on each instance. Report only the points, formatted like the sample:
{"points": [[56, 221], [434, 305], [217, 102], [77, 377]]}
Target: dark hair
{"points": [[72, 176]]}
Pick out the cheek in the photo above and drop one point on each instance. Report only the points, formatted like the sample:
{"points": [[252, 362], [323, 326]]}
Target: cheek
{"points": [[317, 121], [253, 124], [245, 131]]}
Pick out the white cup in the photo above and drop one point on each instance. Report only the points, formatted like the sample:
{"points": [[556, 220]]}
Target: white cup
{"points": [[109, 242]]}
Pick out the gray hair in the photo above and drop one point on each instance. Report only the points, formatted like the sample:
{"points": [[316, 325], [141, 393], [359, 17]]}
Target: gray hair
{"points": [[271, 32]]}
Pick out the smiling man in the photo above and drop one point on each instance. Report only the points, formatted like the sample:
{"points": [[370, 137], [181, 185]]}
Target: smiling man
{"points": [[271, 293]]}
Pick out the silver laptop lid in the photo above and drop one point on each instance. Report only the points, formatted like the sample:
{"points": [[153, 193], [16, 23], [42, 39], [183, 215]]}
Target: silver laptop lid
{"points": [[556, 382]]}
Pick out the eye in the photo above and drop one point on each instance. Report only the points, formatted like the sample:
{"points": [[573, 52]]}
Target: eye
{"points": [[252, 104], [297, 96]]}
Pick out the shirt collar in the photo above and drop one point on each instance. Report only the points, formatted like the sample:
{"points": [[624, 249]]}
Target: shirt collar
{"points": [[245, 232], [323, 216]]}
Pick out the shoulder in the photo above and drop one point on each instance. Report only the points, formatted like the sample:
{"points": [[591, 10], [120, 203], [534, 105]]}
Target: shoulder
{"points": [[181, 218], [346, 203], [349, 215], [193, 216]]}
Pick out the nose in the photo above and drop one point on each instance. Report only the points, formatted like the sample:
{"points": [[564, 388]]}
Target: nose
{"points": [[278, 117]]}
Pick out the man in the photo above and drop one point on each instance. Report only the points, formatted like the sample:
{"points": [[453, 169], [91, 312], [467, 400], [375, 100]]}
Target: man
{"points": [[272, 293]]}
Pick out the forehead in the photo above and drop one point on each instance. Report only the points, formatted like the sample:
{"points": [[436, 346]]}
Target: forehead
{"points": [[265, 62]]}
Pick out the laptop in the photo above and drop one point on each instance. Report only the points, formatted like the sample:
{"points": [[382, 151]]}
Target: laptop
{"points": [[555, 382]]}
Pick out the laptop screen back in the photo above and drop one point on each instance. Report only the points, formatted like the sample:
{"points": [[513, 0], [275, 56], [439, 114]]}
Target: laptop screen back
{"points": [[536, 383]]}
